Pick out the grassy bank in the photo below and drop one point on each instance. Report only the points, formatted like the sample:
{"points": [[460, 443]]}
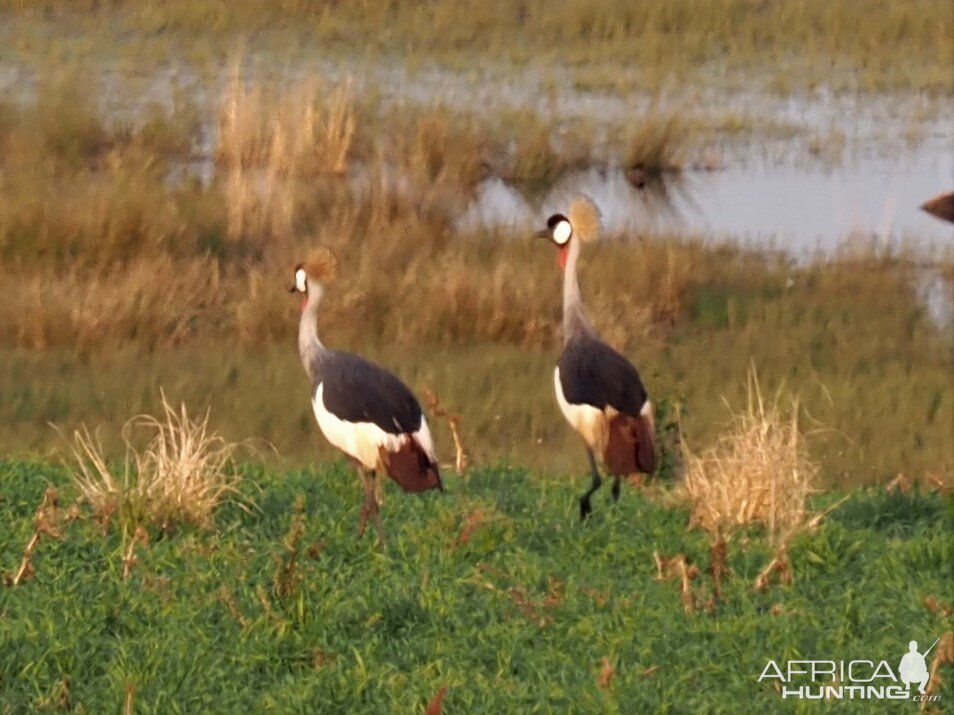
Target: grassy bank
{"points": [[492, 591]]}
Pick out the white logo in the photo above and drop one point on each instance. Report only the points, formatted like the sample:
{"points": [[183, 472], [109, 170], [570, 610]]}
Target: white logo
{"points": [[913, 667], [853, 679]]}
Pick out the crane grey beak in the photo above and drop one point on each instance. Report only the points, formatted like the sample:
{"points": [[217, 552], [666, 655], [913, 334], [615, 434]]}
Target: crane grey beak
{"points": [[543, 233]]}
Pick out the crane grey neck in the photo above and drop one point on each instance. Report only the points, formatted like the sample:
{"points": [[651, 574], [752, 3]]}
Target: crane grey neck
{"points": [[309, 345], [575, 322]]}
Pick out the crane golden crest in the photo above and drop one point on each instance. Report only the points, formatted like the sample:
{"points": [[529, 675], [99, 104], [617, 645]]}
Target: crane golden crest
{"points": [[585, 218], [321, 266]]}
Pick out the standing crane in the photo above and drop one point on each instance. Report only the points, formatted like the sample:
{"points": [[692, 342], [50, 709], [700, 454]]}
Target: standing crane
{"points": [[598, 390], [362, 409]]}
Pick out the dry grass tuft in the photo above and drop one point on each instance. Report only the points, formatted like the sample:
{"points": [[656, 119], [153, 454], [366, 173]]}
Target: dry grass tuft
{"points": [[47, 521], [718, 565], [780, 566], [180, 476], [228, 598], [678, 567], [656, 147], [929, 482], [935, 607], [156, 300], [469, 525], [757, 473], [129, 553]]}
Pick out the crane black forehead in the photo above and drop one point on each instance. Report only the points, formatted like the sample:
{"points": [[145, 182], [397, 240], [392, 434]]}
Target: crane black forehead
{"points": [[555, 219]]}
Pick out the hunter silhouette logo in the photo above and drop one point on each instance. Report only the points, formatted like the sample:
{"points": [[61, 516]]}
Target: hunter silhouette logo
{"points": [[853, 679], [913, 668]]}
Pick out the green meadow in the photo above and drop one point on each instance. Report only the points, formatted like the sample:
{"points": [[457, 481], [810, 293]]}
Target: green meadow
{"points": [[492, 592]]}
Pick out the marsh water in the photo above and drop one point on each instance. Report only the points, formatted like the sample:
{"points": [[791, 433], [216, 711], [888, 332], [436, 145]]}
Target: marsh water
{"points": [[804, 210]]}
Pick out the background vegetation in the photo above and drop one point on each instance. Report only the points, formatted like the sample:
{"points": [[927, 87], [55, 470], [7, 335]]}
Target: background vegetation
{"points": [[875, 45], [142, 260]]}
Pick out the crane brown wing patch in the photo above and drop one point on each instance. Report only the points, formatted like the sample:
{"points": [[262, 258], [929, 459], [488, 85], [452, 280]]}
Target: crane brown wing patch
{"points": [[410, 467], [645, 444], [630, 446]]}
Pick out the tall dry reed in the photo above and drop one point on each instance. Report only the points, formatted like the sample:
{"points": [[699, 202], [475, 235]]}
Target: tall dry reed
{"points": [[268, 142]]}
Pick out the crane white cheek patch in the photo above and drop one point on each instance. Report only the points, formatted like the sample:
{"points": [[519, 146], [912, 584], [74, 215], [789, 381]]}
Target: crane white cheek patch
{"points": [[561, 233], [301, 280]]}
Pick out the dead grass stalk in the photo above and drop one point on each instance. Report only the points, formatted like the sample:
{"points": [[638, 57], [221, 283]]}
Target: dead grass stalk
{"points": [[47, 521], [461, 457], [944, 655], [287, 578], [129, 554]]}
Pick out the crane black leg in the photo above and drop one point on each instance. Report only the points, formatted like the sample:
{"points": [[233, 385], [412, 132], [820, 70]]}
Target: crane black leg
{"points": [[370, 505], [376, 508], [585, 507], [616, 487], [368, 482]]}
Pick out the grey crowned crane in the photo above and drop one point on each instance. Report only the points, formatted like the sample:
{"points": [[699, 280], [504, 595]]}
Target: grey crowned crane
{"points": [[363, 410], [598, 390]]}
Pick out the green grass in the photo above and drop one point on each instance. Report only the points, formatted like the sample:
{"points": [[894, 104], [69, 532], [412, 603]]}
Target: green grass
{"points": [[517, 619]]}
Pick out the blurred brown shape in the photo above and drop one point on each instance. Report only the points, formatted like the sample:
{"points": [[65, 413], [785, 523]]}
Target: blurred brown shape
{"points": [[941, 206], [944, 655], [607, 672], [434, 706]]}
